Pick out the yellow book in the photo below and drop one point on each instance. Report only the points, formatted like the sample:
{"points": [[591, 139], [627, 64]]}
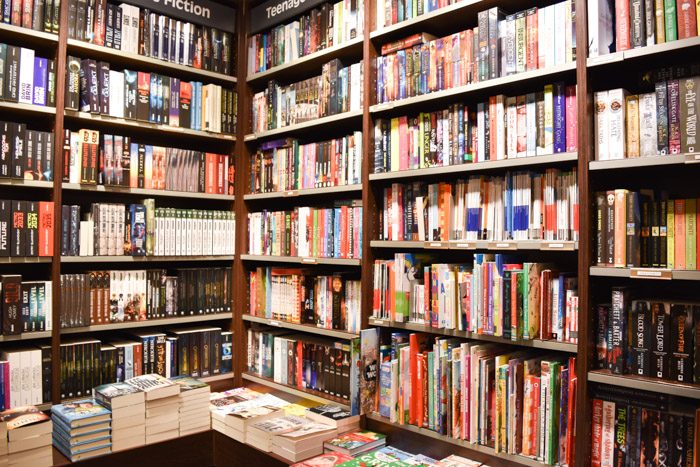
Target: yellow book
{"points": [[632, 123], [690, 234]]}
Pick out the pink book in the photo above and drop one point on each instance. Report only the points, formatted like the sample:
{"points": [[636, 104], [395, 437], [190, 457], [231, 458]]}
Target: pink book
{"points": [[571, 119]]}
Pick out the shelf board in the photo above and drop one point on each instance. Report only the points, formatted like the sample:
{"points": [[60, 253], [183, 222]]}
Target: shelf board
{"points": [[27, 108], [645, 273], [300, 327], [314, 60], [213, 378], [302, 260], [517, 459], [145, 192], [330, 119], [122, 122], [477, 167], [533, 343], [26, 183], [675, 159], [640, 52], [141, 259], [482, 85], [546, 245], [27, 36], [645, 384], [305, 192], [26, 336], [82, 48], [25, 259], [148, 323], [304, 393]]}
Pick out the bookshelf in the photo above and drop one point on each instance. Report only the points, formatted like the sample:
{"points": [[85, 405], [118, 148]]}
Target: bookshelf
{"points": [[690, 391], [305, 393], [307, 328]]}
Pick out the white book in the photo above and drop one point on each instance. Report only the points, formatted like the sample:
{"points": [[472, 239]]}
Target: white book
{"points": [[600, 121], [126, 14], [569, 32], [647, 125], [607, 454], [531, 119], [48, 304], [541, 38], [178, 32], [135, 14], [601, 27], [116, 93], [26, 76], [550, 35], [617, 147], [560, 39], [25, 365], [36, 394], [511, 130]]}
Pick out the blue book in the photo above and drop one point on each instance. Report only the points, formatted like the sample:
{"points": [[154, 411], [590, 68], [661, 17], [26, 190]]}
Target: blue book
{"points": [[336, 229], [41, 76], [138, 229], [559, 118], [82, 430], [102, 436], [153, 99], [81, 413], [81, 452], [401, 58]]}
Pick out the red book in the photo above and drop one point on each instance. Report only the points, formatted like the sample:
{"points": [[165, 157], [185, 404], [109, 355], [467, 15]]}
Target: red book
{"points": [[421, 368], [687, 20], [571, 119], [230, 163], [27, 8], [138, 359], [406, 42], [622, 25], [46, 226], [16, 20], [596, 432], [100, 22], [209, 173], [220, 174]]}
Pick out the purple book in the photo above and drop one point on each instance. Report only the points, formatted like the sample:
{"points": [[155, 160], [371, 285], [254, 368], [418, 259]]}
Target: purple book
{"points": [[559, 118], [174, 102], [41, 66]]}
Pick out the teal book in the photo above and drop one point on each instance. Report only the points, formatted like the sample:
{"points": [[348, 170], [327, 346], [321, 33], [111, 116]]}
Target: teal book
{"points": [[81, 413]]}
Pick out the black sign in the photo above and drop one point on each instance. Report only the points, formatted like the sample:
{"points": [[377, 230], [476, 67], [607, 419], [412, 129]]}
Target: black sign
{"points": [[202, 12], [274, 12]]}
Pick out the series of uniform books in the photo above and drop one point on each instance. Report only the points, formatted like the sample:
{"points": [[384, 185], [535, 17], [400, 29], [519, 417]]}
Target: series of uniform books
{"points": [[143, 230], [517, 206], [25, 376], [297, 296], [655, 338], [337, 90], [25, 437], [141, 31], [618, 26], [331, 24], [389, 12], [25, 153], [114, 160], [334, 232], [102, 297], [93, 87], [644, 229], [513, 401], [498, 295], [82, 429], [38, 15], [26, 228], [649, 124], [534, 124], [500, 45], [283, 165], [26, 305], [631, 427], [26, 77]]}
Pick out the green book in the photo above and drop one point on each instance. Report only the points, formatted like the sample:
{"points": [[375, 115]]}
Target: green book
{"points": [[524, 318], [670, 20]]}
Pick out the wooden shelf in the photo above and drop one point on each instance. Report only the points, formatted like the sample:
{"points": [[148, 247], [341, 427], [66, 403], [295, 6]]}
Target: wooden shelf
{"points": [[645, 384], [305, 192], [476, 167], [509, 245], [675, 159], [76, 47], [305, 393], [26, 336], [25, 259], [26, 108], [26, 183], [301, 327], [219, 377], [145, 192], [328, 120], [141, 259], [645, 273], [302, 260], [45, 407], [533, 343], [148, 323], [25, 36], [642, 52]]}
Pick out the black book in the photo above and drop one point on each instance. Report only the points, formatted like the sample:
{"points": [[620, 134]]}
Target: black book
{"points": [[12, 74], [165, 43], [81, 20], [65, 230], [47, 173], [85, 85], [5, 223], [51, 86], [660, 342], [215, 50], [38, 162], [131, 94], [24, 309], [143, 98], [27, 160], [226, 53], [74, 247], [19, 228], [103, 82], [72, 91], [155, 27], [640, 347], [6, 141], [181, 45], [117, 28], [72, 17], [618, 331], [109, 26], [19, 149], [682, 351], [32, 247], [637, 24], [164, 83], [46, 372], [3, 68], [191, 45]]}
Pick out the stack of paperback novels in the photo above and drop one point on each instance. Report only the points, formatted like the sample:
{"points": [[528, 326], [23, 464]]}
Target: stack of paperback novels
{"points": [[81, 429], [233, 419], [25, 437], [39, 16], [290, 436], [162, 406], [25, 153], [260, 433], [330, 414], [27, 227], [194, 405], [128, 406], [27, 78], [355, 442]]}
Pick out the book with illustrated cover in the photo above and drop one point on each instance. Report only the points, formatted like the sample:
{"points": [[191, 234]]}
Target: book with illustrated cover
{"points": [[117, 395], [19, 417], [355, 442], [81, 413], [155, 386], [329, 459]]}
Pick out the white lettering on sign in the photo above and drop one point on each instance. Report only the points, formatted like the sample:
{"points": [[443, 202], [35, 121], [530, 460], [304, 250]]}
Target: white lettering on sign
{"points": [[282, 7], [188, 7]]}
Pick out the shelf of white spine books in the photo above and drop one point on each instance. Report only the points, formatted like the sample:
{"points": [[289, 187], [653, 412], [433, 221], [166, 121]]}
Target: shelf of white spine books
{"points": [[316, 122], [143, 259], [26, 108], [645, 273], [533, 343], [305, 192], [136, 124], [469, 167], [219, 377], [645, 383], [308, 328], [148, 323], [18, 182], [107, 53], [302, 260], [25, 259], [640, 52], [514, 458], [654, 161], [551, 72], [145, 191], [27, 36], [301, 65], [299, 392], [505, 245], [26, 336]]}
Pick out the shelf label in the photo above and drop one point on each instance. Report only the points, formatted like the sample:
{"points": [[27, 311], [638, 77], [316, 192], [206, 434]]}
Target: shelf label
{"points": [[309, 260], [464, 245], [378, 322], [274, 323], [442, 245], [291, 193], [558, 246], [651, 273], [692, 158], [503, 245]]}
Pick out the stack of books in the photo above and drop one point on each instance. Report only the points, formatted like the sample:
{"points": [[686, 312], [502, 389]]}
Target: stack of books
{"points": [[128, 406], [81, 429], [25, 437], [330, 414], [260, 433], [194, 405], [355, 442], [302, 442], [233, 419], [162, 406]]}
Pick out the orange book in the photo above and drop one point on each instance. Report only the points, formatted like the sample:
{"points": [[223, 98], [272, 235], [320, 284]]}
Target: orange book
{"points": [[46, 226], [415, 343], [209, 173], [138, 360], [679, 237], [620, 252]]}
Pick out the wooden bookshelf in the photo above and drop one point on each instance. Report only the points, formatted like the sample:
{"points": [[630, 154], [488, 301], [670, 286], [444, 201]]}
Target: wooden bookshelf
{"points": [[308, 328], [302, 260], [26, 336], [148, 323], [27, 37], [145, 192], [330, 190], [343, 118], [216, 378], [642, 383], [644, 53], [505, 245], [26, 183], [645, 162], [645, 273], [24, 259], [142, 259], [304, 393], [27, 108]]}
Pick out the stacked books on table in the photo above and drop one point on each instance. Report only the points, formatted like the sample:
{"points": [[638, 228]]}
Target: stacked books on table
{"points": [[162, 406], [386, 456], [355, 442], [128, 406], [194, 405], [233, 419], [82, 429], [25, 437]]}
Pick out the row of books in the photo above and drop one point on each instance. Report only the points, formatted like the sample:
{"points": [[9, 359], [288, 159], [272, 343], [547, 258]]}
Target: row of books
{"points": [[498, 295], [114, 160], [26, 77], [334, 232], [26, 305], [39, 15], [653, 338], [111, 229], [516, 206], [25, 376], [619, 26], [513, 401], [102, 297], [140, 31], [299, 296], [649, 124], [284, 165], [25, 153], [337, 90], [644, 229], [331, 24], [500, 45], [26, 228], [528, 125], [389, 12], [93, 87]]}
